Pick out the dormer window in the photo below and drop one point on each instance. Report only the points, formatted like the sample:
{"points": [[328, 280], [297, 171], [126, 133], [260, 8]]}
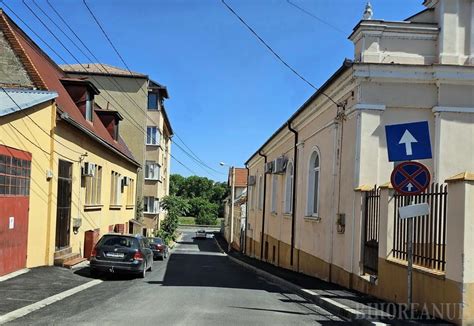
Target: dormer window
{"points": [[152, 101], [89, 106]]}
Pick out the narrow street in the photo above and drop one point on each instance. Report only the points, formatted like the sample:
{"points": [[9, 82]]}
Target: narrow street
{"points": [[196, 285]]}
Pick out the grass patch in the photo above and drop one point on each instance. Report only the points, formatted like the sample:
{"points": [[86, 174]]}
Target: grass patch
{"points": [[187, 220]]}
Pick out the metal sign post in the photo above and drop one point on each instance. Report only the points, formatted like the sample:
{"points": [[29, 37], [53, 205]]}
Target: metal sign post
{"points": [[410, 212], [406, 142]]}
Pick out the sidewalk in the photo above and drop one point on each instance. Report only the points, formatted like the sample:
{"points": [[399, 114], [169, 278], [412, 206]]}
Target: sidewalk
{"points": [[35, 286], [357, 307]]}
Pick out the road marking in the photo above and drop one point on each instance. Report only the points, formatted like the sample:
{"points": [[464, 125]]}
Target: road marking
{"points": [[15, 314], [14, 274]]}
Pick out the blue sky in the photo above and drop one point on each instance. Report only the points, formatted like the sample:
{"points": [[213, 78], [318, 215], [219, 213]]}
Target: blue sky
{"points": [[228, 94]]}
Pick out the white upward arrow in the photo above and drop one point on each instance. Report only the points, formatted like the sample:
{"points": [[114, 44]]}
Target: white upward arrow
{"points": [[409, 187], [408, 139]]}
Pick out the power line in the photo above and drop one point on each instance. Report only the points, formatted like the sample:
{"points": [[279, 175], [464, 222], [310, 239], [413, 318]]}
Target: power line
{"points": [[70, 53], [199, 161], [273, 51], [195, 157], [316, 17], [129, 70], [182, 164]]}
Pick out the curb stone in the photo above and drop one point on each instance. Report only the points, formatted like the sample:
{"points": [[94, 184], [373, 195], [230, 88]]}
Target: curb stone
{"points": [[337, 308]]}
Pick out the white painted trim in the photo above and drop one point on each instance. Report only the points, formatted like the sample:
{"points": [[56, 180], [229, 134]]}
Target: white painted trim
{"points": [[15, 314], [14, 274], [452, 109], [365, 106]]}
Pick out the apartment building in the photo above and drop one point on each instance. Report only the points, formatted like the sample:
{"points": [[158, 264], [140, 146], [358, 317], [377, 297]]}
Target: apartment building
{"points": [[66, 175], [320, 200], [146, 128]]}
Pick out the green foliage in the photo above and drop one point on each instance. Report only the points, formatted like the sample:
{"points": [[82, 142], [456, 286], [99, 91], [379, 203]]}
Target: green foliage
{"points": [[188, 220], [197, 189], [139, 210], [176, 207], [207, 214]]}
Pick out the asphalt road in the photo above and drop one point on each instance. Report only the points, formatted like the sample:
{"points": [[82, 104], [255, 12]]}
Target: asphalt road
{"points": [[196, 285]]}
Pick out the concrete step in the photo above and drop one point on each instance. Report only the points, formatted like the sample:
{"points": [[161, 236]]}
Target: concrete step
{"points": [[59, 261], [62, 252], [71, 263]]}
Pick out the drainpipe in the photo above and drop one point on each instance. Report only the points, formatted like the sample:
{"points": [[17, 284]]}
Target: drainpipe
{"points": [[293, 205], [246, 213], [263, 206]]}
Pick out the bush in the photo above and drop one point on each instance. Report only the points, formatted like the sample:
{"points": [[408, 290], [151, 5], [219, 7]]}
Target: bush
{"points": [[175, 207], [207, 214]]}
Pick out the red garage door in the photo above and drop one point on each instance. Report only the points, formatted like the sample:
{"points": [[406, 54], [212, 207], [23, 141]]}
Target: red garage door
{"points": [[15, 167]]}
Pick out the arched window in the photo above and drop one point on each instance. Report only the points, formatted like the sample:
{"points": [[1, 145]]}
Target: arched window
{"points": [[289, 179], [313, 184], [260, 192]]}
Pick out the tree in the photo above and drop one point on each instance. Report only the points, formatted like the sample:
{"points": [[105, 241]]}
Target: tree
{"points": [[207, 214], [176, 207], [194, 187]]}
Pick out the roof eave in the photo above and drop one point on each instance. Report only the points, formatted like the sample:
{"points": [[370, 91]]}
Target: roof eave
{"points": [[347, 64]]}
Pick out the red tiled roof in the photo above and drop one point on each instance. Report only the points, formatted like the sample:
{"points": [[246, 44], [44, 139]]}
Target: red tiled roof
{"points": [[47, 74], [240, 177]]}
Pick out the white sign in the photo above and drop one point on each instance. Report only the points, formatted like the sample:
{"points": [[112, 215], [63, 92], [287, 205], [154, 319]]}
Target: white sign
{"points": [[414, 210], [11, 222]]}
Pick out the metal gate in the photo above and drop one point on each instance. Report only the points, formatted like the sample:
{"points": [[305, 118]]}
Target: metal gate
{"points": [[15, 167], [371, 231]]}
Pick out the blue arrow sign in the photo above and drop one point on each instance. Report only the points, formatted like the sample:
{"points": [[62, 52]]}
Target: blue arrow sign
{"points": [[408, 141]]}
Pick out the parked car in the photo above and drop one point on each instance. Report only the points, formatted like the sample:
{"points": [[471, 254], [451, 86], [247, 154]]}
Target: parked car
{"points": [[118, 253], [201, 234], [159, 248]]}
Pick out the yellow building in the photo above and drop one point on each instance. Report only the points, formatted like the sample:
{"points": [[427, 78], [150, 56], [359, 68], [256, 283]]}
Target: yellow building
{"points": [[66, 176]]}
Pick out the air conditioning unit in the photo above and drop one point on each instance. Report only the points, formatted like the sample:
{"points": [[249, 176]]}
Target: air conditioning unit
{"points": [[280, 165], [88, 170], [269, 167], [252, 180]]}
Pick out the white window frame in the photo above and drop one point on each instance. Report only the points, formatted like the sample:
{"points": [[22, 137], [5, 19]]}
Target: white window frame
{"points": [[155, 131], [152, 170], [260, 192], [289, 180], [149, 201], [312, 208], [274, 198]]}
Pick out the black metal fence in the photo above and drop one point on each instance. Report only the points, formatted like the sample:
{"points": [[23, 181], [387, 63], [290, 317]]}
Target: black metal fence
{"points": [[429, 232], [371, 231]]}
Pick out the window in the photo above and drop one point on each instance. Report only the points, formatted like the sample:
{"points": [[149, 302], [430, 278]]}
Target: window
{"points": [[289, 179], [152, 136], [93, 187], [116, 189], [152, 101], [313, 184], [14, 176], [150, 205], [89, 106], [274, 204], [152, 170], [260, 192], [130, 192]]}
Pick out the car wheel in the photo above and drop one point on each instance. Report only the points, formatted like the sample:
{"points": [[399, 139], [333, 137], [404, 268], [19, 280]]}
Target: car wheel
{"points": [[143, 273]]}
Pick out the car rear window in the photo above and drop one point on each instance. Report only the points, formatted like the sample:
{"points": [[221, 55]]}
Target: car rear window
{"points": [[118, 241], [156, 240]]}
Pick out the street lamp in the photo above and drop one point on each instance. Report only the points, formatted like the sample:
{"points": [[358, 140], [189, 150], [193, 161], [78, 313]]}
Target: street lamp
{"points": [[232, 197]]}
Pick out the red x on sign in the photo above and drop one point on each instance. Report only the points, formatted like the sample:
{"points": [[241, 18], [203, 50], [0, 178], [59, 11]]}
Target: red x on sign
{"points": [[410, 178]]}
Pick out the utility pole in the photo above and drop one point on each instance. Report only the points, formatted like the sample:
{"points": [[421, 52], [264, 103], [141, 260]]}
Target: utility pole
{"points": [[232, 198]]}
